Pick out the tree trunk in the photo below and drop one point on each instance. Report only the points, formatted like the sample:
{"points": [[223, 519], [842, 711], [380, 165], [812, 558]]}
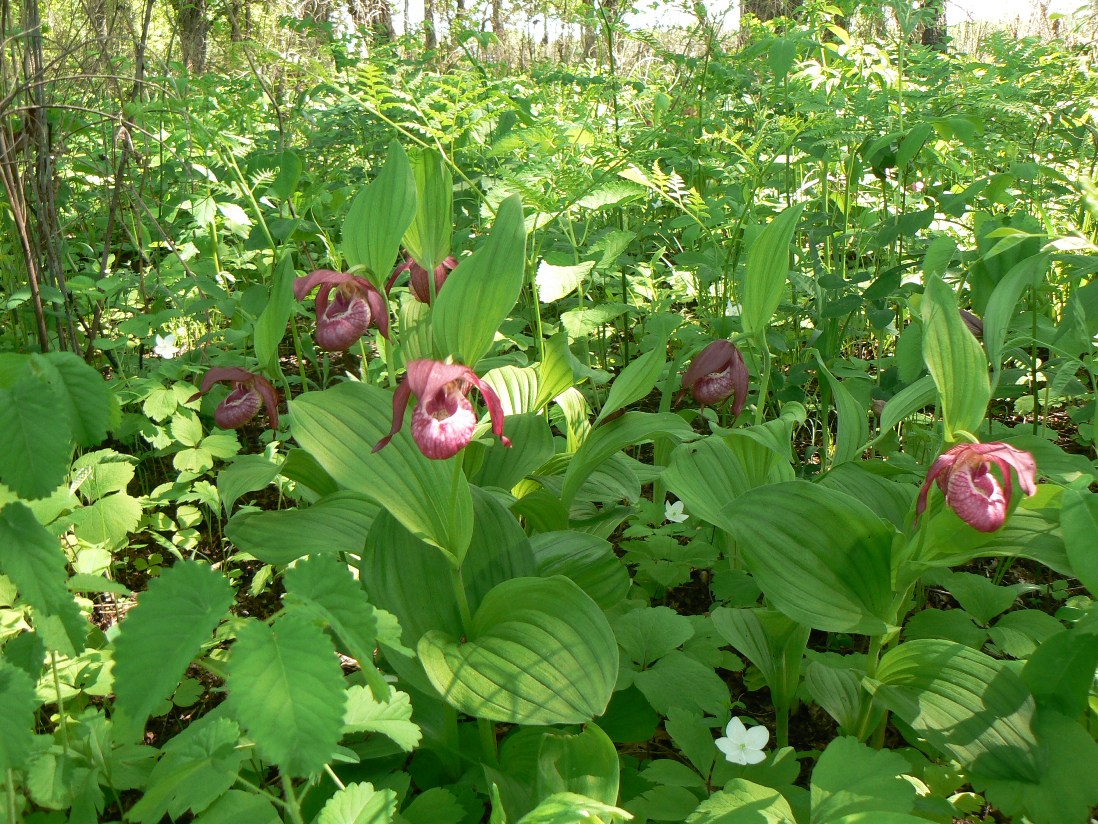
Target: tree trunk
{"points": [[430, 39], [769, 9], [193, 26], [934, 24]]}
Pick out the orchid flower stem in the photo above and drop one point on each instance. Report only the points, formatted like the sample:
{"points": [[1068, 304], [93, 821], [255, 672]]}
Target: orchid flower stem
{"points": [[764, 385], [862, 732], [484, 726], [781, 725], [335, 778]]}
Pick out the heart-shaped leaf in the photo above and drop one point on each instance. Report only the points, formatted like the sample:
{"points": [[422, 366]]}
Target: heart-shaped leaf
{"points": [[539, 651]]}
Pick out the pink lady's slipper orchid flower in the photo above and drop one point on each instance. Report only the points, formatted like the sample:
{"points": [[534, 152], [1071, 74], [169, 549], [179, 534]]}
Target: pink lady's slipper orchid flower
{"points": [[421, 285], [443, 419], [343, 319], [242, 403], [979, 497], [717, 373]]}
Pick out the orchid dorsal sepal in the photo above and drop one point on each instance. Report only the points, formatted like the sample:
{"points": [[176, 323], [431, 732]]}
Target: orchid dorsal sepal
{"points": [[243, 401], [443, 419], [980, 497], [420, 281], [342, 320]]}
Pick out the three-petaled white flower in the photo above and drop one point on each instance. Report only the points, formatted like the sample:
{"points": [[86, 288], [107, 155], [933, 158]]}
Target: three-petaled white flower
{"points": [[742, 745], [673, 511], [165, 346]]}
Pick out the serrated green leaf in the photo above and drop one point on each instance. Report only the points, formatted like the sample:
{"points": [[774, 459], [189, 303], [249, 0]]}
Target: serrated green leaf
{"points": [[37, 442], [359, 804], [392, 718], [162, 634], [539, 652], [106, 471], [556, 282], [237, 806], [340, 427], [647, 634], [84, 394], [198, 767], [286, 689], [324, 587], [107, 521], [17, 720], [32, 558], [743, 802], [482, 291]]}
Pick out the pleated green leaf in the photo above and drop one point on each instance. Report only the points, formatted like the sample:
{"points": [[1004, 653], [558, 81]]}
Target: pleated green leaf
{"points": [[503, 467], [1079, 523], [428, 238], [585, 763], [634, 382], [743, 802], [162, 634], [482, 291], [340, 427], [32, 558], [270, 326], [956, 361], [966, 704], [851, 777], [707, 476], [853, 426], [586, 559], [770, 641], [1002, 306], [767, 268], [907, 401], [630, 429], [540, 651], [821, 557], [336, 523], [379, 216], [286, 689], [37, 442]]}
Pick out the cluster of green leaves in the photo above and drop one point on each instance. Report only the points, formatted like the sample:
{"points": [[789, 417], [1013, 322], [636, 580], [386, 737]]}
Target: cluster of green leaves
{"points": [[513, 623]]}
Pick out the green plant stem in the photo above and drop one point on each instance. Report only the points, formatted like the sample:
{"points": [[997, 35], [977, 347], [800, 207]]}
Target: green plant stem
{"points": [[292, 806], [764, 383], [11, 795], [484, 726], [862, 732], [62, 722], [781, 726], [335, 778]]}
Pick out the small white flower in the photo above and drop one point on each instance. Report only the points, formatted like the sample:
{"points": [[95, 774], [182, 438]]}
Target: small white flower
{"points": [[674, 512], [732, 310], [165, 346], [742, 745]]}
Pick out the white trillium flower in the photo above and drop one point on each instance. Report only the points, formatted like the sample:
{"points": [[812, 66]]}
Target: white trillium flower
{"points": [[742, 745], [674, 512], [165, 346]]}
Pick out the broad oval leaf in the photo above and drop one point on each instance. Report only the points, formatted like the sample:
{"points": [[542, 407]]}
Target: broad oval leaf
{"points": [[955, 360], [821, 557], [379, 216], [483, 289], [340, 427], [428, 238], [964, 703], [539, 651], [586, 559], [634, 382], [767, 267], [907, 401]]}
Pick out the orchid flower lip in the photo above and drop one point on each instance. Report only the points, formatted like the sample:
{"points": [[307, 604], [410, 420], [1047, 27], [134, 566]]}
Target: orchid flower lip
{"points": [[979, 496], [243, 401], [442, 420]]}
